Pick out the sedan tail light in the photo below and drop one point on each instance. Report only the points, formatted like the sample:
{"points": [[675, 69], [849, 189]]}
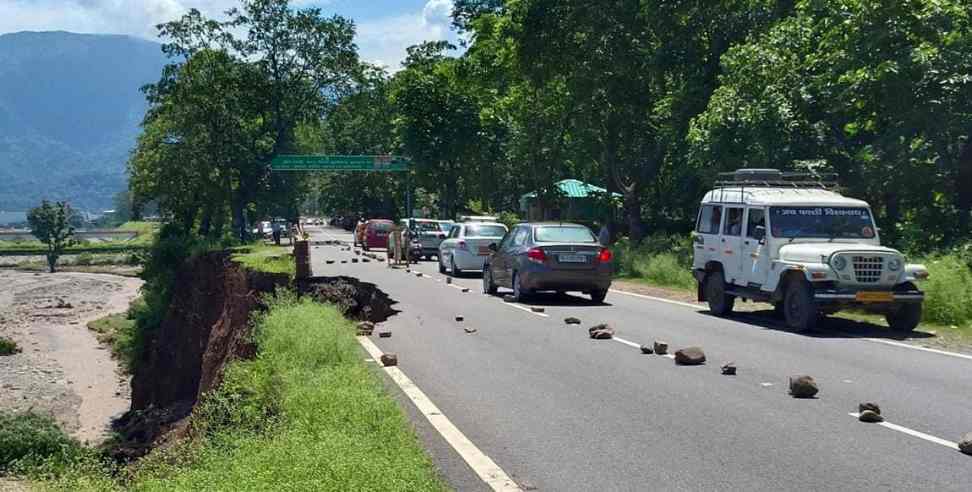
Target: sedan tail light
{"points": [[605, 255], [537, 255]]}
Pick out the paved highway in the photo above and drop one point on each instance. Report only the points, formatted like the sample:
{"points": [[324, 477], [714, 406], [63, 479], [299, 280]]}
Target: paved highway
{"points": [[559, 411]]}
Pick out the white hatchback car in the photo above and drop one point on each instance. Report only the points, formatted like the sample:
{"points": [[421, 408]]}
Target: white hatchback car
{"points": [[467, 246]]}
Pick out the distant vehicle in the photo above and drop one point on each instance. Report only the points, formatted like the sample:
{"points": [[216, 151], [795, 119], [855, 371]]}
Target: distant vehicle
{"points": [[282, 225], [477, 218], [792, 240], [263, 229], [558, 257], [376, 233], [428, 233], [467, 246]]}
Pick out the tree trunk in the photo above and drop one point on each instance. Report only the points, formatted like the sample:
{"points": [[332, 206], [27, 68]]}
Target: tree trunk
{"points": [[632, 210], [239, 222], [963, 188]]}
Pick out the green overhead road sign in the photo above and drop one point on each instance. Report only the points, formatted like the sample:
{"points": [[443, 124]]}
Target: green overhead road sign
{"points": [[339, 163]]}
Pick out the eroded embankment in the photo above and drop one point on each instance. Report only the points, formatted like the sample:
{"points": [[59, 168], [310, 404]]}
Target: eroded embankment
{"points": [[206, 326]]}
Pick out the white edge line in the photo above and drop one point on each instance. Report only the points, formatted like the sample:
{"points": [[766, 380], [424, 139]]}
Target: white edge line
{"points": [[524, 308], [659, 299], [626, 342], [914, 433], [869, 339], [482, 465]]}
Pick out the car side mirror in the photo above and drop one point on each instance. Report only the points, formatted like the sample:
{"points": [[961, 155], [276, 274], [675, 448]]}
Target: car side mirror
{"points": [[492, 247], [760, 233]]}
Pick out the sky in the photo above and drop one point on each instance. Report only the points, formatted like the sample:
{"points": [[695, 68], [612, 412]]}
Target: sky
{"points": [[384, 27]]}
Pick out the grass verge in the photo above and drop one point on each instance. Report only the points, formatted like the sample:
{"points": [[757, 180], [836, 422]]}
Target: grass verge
{"points": [[263, 257], [306, 414], [118, 332]]}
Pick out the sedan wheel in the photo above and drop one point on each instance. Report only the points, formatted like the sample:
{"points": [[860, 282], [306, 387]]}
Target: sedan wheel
{"points": [[519, 293], [455, 270]]}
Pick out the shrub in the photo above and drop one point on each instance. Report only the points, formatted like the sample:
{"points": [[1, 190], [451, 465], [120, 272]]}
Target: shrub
{"points": [[8, 346], [664, 269], [28, 439], [84, 259], [948, 290]]}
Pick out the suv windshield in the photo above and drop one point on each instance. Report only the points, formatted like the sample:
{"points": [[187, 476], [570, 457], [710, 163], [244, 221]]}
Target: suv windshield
{"points": [[557, 234], [824, 222], [427, 227], [485, 231]]}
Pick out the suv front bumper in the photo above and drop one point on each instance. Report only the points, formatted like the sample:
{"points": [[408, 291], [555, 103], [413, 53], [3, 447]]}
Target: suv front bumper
{"points": [[841, 296]]}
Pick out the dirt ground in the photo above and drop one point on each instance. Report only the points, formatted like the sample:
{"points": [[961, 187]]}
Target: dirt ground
{"points": [[62, 370]]}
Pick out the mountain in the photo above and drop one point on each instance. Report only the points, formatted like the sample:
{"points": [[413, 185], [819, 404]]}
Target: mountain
{"points": [[70, 108]]}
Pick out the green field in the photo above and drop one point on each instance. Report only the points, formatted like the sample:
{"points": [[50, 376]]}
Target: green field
{"points": [[142, 241]]}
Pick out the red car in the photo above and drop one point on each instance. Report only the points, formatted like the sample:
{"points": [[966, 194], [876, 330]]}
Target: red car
{"points": [[376, 233]]}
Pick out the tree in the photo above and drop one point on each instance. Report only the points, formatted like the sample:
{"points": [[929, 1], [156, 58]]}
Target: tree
{"points": [[51, 224]]}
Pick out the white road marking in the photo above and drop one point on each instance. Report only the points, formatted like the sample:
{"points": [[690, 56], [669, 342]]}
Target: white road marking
{"points": [[482, 465], [524, 308], [914, 433], [670, 356], [851, 335], [659, 299], [627, 342], [766, 385]]}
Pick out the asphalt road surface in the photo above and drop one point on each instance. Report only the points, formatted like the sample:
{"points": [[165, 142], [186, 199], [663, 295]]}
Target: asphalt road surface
{"points": [[558, 411]]}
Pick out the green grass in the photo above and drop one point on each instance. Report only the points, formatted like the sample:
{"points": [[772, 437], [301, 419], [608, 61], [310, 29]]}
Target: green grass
{"points": [[118, 332], [33, 441], [306, 414], [142, 241], [8, 346], [263, 257]]}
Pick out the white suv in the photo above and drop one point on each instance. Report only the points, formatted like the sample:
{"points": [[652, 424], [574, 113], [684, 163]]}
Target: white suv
{"points": [[793, 241]]}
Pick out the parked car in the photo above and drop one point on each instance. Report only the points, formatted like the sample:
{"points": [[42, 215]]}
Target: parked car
{"points": [[477, 218], [558, 257], [467, 246], [376, 233], [428, 233], [793, 241]]}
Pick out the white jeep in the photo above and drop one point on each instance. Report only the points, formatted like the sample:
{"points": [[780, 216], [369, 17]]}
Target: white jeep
{"points": [[793, 241]]}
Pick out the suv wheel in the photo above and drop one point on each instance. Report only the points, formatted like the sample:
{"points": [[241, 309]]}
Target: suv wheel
{"points": [[720, 303], [489, 287], [598, 295], [799, 308], [905, 317]]}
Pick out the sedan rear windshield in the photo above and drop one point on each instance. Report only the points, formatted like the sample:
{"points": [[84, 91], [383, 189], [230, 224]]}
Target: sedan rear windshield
{"points": [[485, 231], [558, 234], [381, 226]]}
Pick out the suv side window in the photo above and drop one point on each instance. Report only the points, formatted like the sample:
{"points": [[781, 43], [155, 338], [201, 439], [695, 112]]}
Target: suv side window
{"points": [[709, 219], [757, 218], [734, 219]]}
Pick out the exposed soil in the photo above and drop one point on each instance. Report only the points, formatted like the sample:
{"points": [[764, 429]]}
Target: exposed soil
{"points": [[62, 370], [361, 301]]}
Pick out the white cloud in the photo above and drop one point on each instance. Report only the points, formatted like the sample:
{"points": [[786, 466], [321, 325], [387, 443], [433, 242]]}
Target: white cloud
{"points": [[384, 41]]}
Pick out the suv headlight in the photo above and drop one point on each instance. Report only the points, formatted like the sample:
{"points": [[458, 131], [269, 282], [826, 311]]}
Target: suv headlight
{"points": [[839, 263], [894, 264]]}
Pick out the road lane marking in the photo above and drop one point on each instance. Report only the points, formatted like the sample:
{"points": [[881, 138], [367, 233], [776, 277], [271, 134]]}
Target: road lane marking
{"points": [[524, 308], [627, 342], [482, 465], [914, 433], [851, 335]]}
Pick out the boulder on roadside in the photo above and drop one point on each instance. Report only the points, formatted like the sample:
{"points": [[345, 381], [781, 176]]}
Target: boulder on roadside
{"points": [[448, 280], [418, 274], [572, 321], [354, 260], [365, 328], [329, 262], [690, 356], [384, 334], [469, 330], [465, 289], [605, 334], [602, 326], [460, 318], [729, 369], [661, 348], [537, 309], [646, 349], [388, 360], [869, 406], [366, 260], [965, 445], [870, 416], [803, 387]]}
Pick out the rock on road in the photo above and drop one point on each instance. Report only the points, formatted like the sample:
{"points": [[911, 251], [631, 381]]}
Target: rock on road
{"points": [[560, 411]]}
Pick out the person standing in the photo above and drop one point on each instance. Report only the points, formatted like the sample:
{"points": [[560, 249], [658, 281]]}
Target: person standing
{"points": [[604, 236]]}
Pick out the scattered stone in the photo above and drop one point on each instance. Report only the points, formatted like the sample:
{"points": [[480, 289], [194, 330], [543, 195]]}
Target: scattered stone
{"points": [[448, 280], [330, 262], [646, 349], [509, 298], [419, 274], [869, 406], [469, 330], [572, 321], [729, 369], [690, 356], [460, 318], [384, 334], [344, 261], [465, 289], [354, 260], [965, 445], [537, 309], [388, 360], [870, 416], [661, 348], [365, 328], [366, 260], [601, 332], [408, 270], [803, 387]]}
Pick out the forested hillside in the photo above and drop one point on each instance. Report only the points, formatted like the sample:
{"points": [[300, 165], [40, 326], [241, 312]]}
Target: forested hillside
{"points": [[70, 107]]}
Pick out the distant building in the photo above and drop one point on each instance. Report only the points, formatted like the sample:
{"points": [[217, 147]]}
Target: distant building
{"points": [[580, 202]]}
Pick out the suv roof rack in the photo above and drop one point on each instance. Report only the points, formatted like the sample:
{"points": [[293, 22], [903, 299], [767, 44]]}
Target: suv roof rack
{"points": [[774, 178]]}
